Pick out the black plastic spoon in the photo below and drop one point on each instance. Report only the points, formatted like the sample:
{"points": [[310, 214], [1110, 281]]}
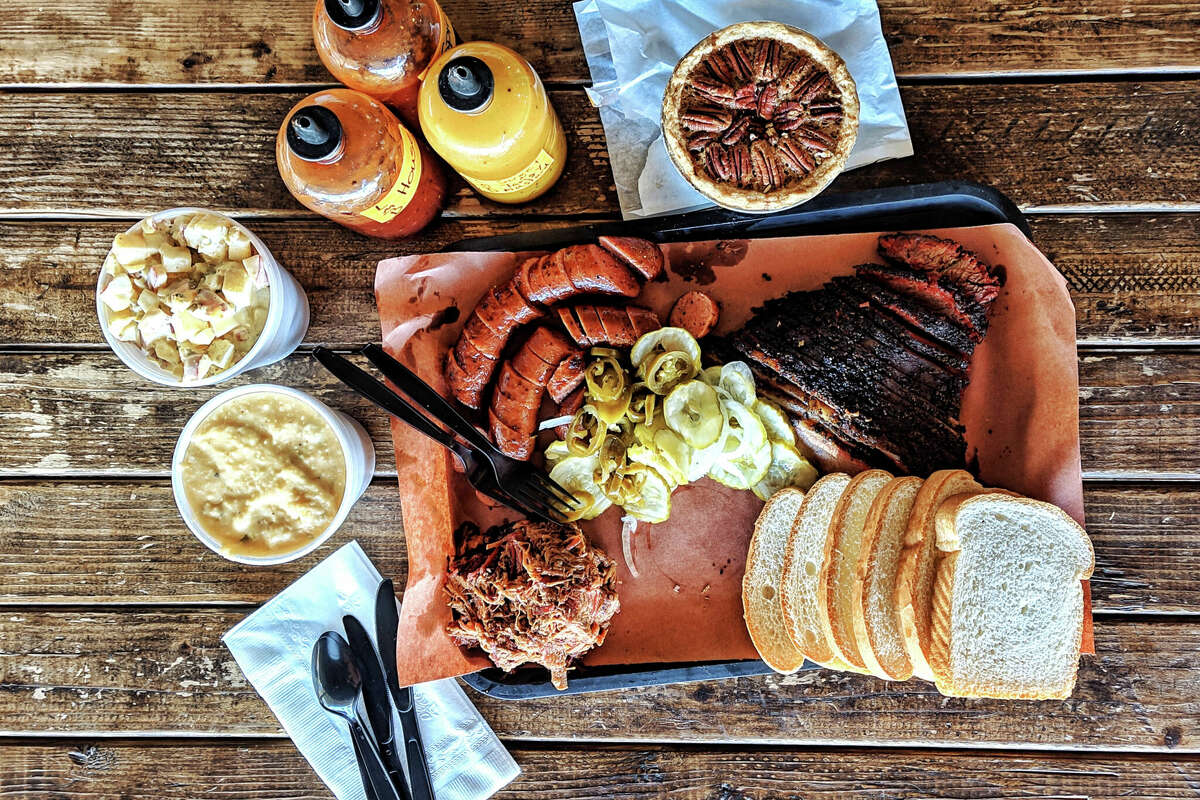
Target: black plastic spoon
{"points": [[337, 679]]}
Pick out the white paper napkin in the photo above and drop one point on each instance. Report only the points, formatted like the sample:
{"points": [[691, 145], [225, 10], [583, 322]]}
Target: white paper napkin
{"points": [[273, 646], [632, 46]]}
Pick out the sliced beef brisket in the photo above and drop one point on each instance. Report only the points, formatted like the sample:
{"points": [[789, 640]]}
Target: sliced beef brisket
{"points": [[875, 364]]}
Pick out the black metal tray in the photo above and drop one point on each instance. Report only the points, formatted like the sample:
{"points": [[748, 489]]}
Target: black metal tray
{"points": [[951, 204]]}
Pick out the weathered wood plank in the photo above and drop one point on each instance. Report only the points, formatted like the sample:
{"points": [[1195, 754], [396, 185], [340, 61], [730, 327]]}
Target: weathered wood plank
{"points": [[153, 151], [162, 42], [160, 671], [133, 548], [1133, 277], [158, 770], [87, 414], [1093, 143]]}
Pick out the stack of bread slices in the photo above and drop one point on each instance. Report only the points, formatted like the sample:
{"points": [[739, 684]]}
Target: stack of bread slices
{"points": [[977, 590]]}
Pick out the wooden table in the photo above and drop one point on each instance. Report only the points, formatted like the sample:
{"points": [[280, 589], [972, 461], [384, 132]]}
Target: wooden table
{"points": [[113, 679]]}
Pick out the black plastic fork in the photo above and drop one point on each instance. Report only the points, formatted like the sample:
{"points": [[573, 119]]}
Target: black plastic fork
{"points": [[536, 497], [515, 475]]}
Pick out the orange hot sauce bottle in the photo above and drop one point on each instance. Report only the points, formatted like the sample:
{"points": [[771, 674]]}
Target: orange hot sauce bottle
{"points": [[346, 157], [485, 111], [382, 47]]}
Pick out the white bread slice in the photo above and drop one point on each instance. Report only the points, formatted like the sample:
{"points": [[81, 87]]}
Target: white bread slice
{"points": [[762, 594], [804, 558], [877, 629], [915, 569], [835, 592], [1008, 603]]}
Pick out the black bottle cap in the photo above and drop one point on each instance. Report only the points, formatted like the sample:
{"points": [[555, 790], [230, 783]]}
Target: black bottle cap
{"points": [[314, 133], [466, 84], [353, 15]]}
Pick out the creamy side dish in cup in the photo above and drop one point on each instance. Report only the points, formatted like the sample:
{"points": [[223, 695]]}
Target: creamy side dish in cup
{"points": [[263, 473]]}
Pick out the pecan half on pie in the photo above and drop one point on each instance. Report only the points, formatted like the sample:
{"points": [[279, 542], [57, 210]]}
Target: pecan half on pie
{"points": [[760, 116]]}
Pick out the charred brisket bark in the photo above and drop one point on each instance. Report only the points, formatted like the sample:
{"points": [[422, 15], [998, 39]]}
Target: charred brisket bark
{"points": [[878, 361]]}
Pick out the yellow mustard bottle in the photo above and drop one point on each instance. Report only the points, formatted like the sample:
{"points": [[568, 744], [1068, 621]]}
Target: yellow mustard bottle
{"points": [[485, 111]]}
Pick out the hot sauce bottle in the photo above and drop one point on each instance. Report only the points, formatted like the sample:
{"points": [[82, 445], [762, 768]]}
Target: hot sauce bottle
{"points": [[382, 47], [345, 156], [485, 111]]}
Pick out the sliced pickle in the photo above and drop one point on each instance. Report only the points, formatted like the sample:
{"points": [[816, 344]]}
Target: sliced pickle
{"points": [[606, 380], [652, 502], [775, 421], [693, 410], [788, 468], [675, 454], [738, 380], [556, 451], [665, 340], [586, 432], [664, 371], [746, 434], [575, 475], [711, 376], [746, 470]]}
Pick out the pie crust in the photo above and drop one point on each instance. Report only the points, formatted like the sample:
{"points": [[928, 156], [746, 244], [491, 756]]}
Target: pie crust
{"points": [[760, 116]]}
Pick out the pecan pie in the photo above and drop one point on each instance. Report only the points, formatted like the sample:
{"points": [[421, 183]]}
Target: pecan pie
{"points": [[760, 116]]}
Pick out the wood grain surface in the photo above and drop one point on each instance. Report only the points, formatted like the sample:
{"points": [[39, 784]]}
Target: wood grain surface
{"points": [[1135, 278], [165, 671], [177, 770], [164, 42], [88, 414], [1086, 113], [134, 549], [1095, 144]]}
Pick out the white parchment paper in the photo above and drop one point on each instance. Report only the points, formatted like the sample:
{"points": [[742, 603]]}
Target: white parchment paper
{"points": [[632, 46]]}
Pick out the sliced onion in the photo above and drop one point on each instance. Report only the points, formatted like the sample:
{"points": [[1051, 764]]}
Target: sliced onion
{"points": [[554, 422], [628, 529]]}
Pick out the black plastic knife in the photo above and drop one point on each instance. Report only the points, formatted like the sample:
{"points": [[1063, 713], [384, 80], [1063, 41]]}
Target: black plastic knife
{"points": [[377, 702], [386, 623]]}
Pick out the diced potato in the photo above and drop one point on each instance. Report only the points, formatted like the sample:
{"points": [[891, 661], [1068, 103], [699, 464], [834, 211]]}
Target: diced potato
{"points": [[175, 369], [156, 276], [112, 266], [224, 323], [118, 294], [260, 317], [131, 247], [156, 239], [238, 288], [178, 295], [238, 244], [221, 352], [205, 233], [149, 226], [176, 259], [147, 300], [167, 351], [186, 325], [257, 270], [120, 321], [203, 338], [211, 281], [154, 325]]}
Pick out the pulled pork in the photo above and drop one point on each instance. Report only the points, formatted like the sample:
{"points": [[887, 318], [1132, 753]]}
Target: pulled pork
{"points": [[530, 592]]}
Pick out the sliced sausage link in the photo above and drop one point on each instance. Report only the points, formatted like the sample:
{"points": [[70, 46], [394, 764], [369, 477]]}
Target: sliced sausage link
{"points": [[695, 312], [511, 442], [593, 270], [566, 378], [566, 315], [618, 331], [550, 345], [644, 256], [643, 320]]}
